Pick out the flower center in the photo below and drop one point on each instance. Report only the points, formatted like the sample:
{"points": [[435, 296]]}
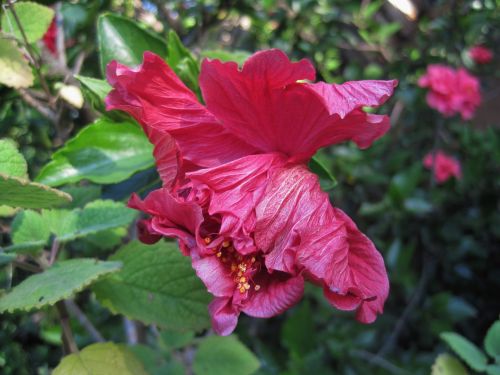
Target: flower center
{"points": [[242, 268]]}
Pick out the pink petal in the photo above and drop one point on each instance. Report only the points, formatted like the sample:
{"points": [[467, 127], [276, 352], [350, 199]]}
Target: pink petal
{"points": [[299, 229], [343, 99], [146, 233], [359, 271], [158, 99], [235, 188], [275, 114], [277, 293], [224, 316], [215, 276], [167, 156], [170, 217]]}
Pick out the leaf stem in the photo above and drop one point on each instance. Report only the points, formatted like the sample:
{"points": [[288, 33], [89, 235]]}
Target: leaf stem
{"points": [[69, 343], [84, 321], [33, 57]]}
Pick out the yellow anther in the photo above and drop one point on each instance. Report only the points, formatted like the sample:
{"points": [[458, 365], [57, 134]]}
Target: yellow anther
{"points": [[207, 240], [219, 254], [243, 279], [240, 273], [242, 289], [226, 244], [257, 287], [247, 286]]}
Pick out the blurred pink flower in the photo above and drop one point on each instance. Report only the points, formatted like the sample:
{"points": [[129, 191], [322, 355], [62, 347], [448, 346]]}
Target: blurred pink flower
{"points": [[451, 91], [445, 166], [481, 55], [50, 37], [237, 193]]}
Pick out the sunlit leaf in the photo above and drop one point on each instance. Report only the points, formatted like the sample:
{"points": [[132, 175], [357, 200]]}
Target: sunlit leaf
{"points": [[14, 68], [35, 19], [58, 282]]}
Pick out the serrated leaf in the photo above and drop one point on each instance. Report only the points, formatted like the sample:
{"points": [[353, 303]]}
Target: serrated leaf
{"points": [[60, 281], [95, 91], [12, 162], [156, 285], [466, 350], [14, 68], [446, 364], [102, 358], [17, 192], [34, 18], [492, 341], [123, 40], [31, 230], [219, 355], [104, 152]]}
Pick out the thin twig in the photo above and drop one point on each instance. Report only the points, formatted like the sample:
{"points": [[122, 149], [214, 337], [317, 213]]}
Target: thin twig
{"points": [[27, 266], [33, 57], [379, 361], [75, 311], [38, 105], [427, 272], [54, 250], [67, 334]]}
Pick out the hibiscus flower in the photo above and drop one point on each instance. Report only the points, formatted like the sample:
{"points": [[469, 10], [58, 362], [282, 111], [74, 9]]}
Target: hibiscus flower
{"points": [[481, 54], [451, 91], [443, 165], [237, 193]]}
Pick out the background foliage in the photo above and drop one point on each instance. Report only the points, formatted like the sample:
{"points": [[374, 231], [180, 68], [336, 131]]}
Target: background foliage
{"points": [[75, 278]]}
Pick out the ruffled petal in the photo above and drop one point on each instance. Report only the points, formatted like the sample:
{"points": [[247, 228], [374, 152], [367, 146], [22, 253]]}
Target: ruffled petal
{"points": [[278, 292], [146, 233], [158, 99], [167, 156], [300, 230], [224, 316], [235, 188], [275, 114], [359, 271], [170, 216], [343, 99], [215, 276]]}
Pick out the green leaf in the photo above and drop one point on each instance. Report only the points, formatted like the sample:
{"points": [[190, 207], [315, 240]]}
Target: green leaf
{"points": [[466, 350], [237, 56], [327, 180], [493, 370], [492, 341], [94, 91], [123, 40], [183, 62], [156, 285], [102, 358], [219, 355], [446, 364], [6, 258], [14, 68], [34, 18], [104, 152], [18, 192], [298, 331], [31, 230], [60, 281], [12, 162]]}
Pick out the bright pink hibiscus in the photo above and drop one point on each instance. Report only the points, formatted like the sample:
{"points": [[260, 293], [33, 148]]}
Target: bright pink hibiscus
{"points": [[445, 166], [237, 193], [481, 55], [451, 91]]}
